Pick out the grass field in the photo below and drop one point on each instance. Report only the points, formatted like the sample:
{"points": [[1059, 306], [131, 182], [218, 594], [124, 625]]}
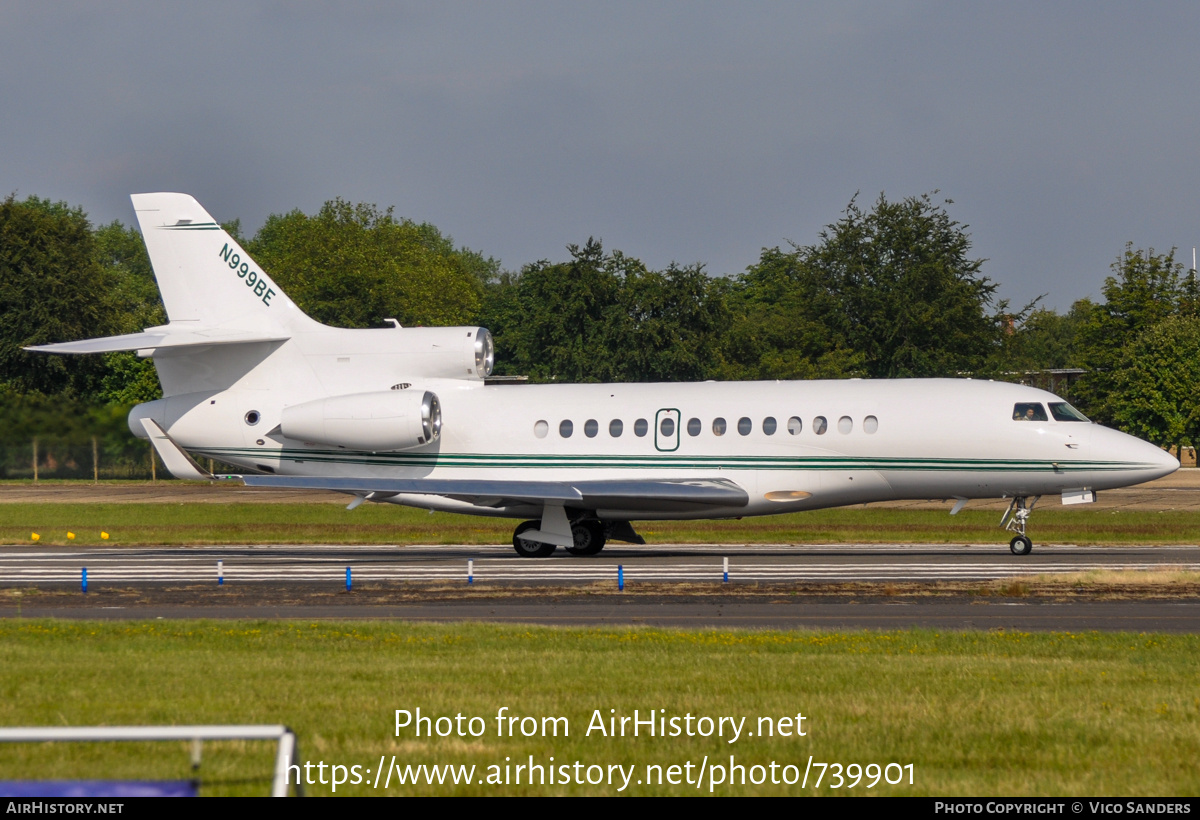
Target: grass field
{"points": [[976, 714], [137, 524]]}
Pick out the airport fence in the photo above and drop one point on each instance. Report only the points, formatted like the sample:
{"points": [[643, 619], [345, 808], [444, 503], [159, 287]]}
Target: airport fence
{"points": [[99, 459], [54, 438], [102, 458]]}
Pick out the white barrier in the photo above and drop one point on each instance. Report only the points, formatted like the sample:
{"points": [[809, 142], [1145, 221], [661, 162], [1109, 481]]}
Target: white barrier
{"points": [[285, 752]]}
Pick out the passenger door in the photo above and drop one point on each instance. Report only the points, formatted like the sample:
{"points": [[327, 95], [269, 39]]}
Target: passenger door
{"points": [[666, 431]]}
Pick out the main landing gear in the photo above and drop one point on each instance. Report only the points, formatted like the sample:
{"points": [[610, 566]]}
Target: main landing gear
{"points": [[1014, 520], [530, 549], [589, 539]]}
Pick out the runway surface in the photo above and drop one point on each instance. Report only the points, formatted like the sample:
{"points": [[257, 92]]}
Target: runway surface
{"points": [[670, 612], [780, 587], [498, 564]]}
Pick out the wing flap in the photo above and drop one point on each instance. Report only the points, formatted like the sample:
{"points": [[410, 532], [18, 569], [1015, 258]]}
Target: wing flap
{"points": [[640, 494], [653, 494]]}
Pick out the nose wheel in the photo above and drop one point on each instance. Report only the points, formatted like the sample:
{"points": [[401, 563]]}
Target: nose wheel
{"points": [[1015, 519]]}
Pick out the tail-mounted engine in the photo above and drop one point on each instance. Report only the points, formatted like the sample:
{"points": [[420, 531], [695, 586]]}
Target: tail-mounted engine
{"points": [[426, 352], [392, 420]]}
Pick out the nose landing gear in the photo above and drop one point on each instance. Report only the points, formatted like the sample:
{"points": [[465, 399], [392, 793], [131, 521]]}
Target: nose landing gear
{"points": [[1021, 545], [1014, 520]]}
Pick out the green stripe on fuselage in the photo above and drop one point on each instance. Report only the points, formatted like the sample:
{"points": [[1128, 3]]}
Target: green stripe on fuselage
{"points": [[649, 462]]}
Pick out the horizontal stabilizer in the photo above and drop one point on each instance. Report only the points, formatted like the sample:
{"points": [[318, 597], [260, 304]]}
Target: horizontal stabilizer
{"points": [[160, 337], [644, 494]]}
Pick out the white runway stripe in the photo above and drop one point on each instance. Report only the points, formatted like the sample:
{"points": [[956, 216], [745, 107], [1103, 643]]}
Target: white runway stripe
{"points": [[557, 571], [313, 550]]}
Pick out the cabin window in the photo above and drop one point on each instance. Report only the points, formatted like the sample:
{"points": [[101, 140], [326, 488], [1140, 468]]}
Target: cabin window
{"points": [[795, 426], [615, 428], [591, 428], [718, 427], [745, 426], [566, 428], [541, 428], [641, 427], [667, 427], [1065, 412], [820, 425], [1029, 411], [694, 427], [770, 425], [870, 425], [845, 425]]}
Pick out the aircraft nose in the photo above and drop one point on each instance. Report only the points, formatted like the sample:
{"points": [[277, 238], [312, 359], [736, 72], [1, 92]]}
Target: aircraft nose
{"points": [[1142, 460], [1164, 462]]}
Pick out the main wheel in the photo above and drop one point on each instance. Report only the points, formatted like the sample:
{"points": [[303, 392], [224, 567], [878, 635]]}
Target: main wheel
{"points": [[1020, 545], [589, 538], [530, 549]]}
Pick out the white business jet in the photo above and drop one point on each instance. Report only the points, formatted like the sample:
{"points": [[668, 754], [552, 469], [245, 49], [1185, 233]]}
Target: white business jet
{"points": [[410, 416]]}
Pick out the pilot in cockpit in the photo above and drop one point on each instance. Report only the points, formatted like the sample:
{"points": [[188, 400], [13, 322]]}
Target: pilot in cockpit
{"points": [[1028, 412]]}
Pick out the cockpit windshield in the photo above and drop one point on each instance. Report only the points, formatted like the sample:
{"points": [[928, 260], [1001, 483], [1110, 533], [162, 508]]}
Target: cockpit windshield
{"points": [[1034, 411], [1029, 411], [1065, 412]]}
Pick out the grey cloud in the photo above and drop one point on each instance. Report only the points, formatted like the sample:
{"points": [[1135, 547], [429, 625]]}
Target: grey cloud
{"points": [[685, 131]]}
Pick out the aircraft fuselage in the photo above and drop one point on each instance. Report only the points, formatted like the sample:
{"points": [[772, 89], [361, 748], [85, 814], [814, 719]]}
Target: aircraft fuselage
{"points": [[879, 440]]}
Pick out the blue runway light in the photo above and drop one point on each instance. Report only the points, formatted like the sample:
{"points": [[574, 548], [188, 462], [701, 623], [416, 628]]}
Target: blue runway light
{"points": [[347, 579], [620, 578], [85, 580]]}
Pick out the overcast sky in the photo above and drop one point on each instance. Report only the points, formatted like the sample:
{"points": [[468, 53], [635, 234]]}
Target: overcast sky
{"points": [[694, 132]]}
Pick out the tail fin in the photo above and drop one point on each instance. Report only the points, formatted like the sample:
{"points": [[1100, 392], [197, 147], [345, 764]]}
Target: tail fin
{"points": [[204, 275]]}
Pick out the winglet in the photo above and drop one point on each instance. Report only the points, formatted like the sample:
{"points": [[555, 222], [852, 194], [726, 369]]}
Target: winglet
{"points": [[181, 465]]}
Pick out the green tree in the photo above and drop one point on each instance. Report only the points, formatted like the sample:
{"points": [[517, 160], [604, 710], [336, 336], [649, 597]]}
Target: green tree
{"points": [[888, 293], [563, 321], [1146, 288], [354, 265], [1156, 389], [779, 328], [121, 251], [135, 299], [1046, 339], [606, 318], [673, 320], [909, 298], [52, 289]]}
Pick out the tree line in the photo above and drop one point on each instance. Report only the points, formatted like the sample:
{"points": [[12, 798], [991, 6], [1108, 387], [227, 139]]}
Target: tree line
{"points": [[886, 291]]}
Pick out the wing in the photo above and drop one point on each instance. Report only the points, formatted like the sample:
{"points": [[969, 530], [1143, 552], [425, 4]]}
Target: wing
{"points": [[644, 494]]}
